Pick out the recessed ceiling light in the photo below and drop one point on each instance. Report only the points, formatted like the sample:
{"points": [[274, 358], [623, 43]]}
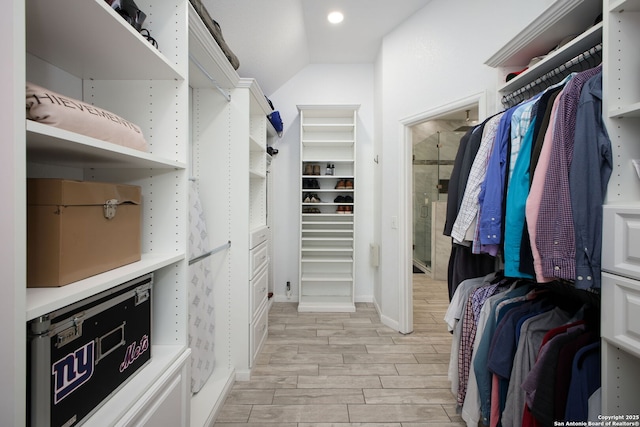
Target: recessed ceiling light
{"points": [[335, 17]]}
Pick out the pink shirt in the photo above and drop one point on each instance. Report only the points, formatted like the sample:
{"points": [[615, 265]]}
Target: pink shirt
{"points": [[535, 192]]}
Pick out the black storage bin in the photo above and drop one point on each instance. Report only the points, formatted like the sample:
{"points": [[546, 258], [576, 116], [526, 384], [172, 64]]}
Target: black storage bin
{"points": [[81, 354]]}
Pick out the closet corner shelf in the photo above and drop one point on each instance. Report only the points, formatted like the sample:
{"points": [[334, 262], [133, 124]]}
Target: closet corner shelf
{"points": [[255, 145], [328, 127], [560, 19], [41, 301], [624, 5], [55, 39], [257, 174], [575, 47], [326, 176], [320, 259], [50, 145], [327, 143], [632, 110]]}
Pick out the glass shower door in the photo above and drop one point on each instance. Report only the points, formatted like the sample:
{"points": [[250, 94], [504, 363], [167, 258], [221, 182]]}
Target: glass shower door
{"points": [[433, 159]]}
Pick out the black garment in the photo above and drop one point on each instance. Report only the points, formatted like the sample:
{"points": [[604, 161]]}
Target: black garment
{"points": [[463, 265], [454, 179]]}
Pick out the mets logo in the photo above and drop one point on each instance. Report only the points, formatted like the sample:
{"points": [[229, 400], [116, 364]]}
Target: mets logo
{"points": [[72, 371]]}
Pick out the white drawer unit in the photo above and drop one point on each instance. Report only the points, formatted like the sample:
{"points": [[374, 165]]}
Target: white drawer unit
{"points": [[621, 312], [259, 331], [258, 236], [258, 258], [621, 240], [259, 286]]}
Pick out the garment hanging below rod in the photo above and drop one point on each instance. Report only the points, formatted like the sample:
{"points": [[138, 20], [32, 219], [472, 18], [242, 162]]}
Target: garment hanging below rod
{"points": [[591, 57]]}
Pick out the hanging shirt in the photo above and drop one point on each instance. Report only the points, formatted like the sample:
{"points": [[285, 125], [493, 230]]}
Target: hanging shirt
{"points": [[515, 213], [481, 355], [520, 122], [555, 236], [543, 115], [453, 318], [532, 333], [452, 208], [535, 192], [469, 206], [460, 174], [585, 380], [492, 189], [588, 178]]}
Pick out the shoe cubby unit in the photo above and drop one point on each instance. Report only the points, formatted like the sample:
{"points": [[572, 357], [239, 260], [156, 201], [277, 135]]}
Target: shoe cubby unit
{"points": [[327, 204]]}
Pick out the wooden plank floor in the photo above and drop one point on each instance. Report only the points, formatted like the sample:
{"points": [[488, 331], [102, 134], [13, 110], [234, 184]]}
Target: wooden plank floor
{"points": [[348, 370]]}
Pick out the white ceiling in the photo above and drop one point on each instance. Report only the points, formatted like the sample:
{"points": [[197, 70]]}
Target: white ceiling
{"points": [[274, 39]]}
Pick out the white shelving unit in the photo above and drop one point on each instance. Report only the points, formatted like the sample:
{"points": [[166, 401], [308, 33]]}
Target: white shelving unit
{"points": [[560, 20], [229, 132], [327, 230], [184, 90], [144, 85], [621, 277]]}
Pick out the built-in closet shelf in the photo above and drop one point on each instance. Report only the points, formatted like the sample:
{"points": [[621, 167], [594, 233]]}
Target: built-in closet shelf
{"points": [[41, 301], [327, 176], [561, 19], [209, 66], [325, 215], [328, 239], [327, 231], [327, 277], [327, 249], [320, 259], [327, 190], [255, 145], [51, 145], [328, 127], [575, 47], [632, 110], [328, 143], [625, 6], [257, 174], [67, 32]]}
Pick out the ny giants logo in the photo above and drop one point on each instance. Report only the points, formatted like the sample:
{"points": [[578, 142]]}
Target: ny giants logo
{"points": [[72, 371], [77, 368]]}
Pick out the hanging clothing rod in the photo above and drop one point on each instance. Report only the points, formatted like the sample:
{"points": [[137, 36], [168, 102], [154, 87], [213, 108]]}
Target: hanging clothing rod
{"points": [[550, 78], [224, 93], [209, 253]]}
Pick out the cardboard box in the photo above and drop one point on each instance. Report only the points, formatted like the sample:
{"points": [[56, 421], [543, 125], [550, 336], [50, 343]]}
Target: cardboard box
{"points": [[77, 229]]}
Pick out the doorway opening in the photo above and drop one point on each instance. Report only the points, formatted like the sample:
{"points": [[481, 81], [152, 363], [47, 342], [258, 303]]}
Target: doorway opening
{"points": [[435, 143], [431, 143]]}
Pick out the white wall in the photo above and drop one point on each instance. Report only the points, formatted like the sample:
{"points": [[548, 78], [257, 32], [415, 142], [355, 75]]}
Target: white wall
{"points": [[321, 84], [435, 58]]}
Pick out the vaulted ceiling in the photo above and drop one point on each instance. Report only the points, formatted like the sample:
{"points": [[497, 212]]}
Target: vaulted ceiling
{"points": [[274, 39]]}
